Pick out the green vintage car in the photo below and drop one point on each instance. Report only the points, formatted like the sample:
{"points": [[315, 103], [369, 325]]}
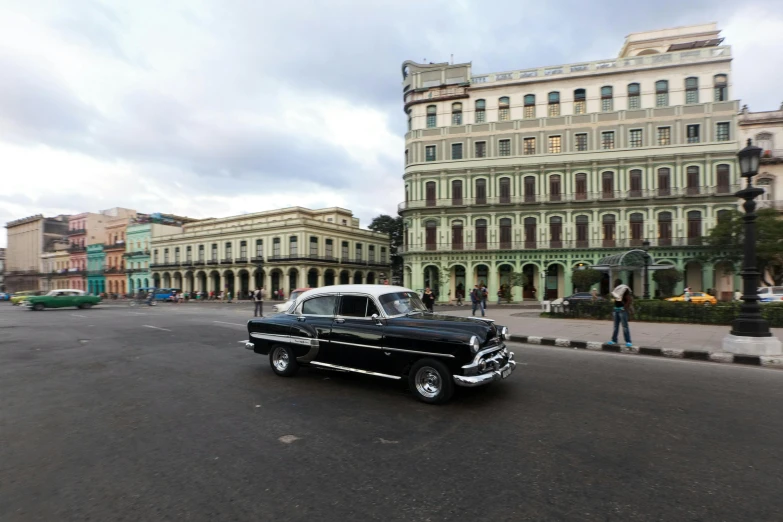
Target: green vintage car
{"points": [[62, 299], [20, 297]]}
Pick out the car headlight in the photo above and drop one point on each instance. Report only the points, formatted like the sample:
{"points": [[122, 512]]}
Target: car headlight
{"points": [[504, 333], [475, 344]]}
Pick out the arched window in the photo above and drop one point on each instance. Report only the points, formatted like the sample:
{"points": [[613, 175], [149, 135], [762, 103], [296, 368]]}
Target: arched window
{"points": [[635, 183], [554, 104], [692, 180], [768, 184], [607, 102], [504, 186], [481, 234], [637, 228], [555, 232], [530, 188], [431, 229], [410, 120], [481, 111], [530, 232], [723, 216], [456, 192], [582, 232], [634, 96], [721, 82], [664, 181], [691, 90], [607, 184], [504, 109], [580, 101], [505, 233], [766, 141], [456, 113], [430, 193], [530, 106], [481, 192], [694, 227], [457, 241], [432, 116], [580, 186], [555, 189], [662, 93], [609, 223]]}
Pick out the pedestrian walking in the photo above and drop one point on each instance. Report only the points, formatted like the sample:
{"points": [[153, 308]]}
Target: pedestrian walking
{"points": [[623, 303], [484, 296], [500, 293], [476, 300], [687, 295], [258, 299], [429, 299], [459, 297]]}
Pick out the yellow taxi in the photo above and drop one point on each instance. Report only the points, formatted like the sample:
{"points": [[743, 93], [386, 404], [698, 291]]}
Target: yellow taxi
{"points": [[20, 297], [696, 297]]}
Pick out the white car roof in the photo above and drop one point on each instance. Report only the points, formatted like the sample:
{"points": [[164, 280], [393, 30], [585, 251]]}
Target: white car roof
{"points": [[373, 290], [66, 290]]}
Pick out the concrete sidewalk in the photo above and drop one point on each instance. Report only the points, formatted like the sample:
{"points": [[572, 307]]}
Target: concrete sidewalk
{"points": [[698, 337]]}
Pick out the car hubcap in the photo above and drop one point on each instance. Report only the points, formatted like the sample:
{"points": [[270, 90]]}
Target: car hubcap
{"points": [[280, 359], [428, 382]]}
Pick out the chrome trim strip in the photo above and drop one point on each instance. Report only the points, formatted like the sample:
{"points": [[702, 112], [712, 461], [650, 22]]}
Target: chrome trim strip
{"points": [[484, 352], [388, 349], [304, 341], [356, 370], [485, 319], [486, 378], [358, 345]]}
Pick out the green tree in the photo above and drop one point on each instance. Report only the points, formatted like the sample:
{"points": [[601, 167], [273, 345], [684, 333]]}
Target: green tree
{"points": [[726, 243], [514, 279], [667, 280], [584, 279], [391, 226]]}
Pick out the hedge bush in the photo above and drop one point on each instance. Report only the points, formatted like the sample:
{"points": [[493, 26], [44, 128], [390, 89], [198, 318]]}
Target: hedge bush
{"points": [[660, 311]]}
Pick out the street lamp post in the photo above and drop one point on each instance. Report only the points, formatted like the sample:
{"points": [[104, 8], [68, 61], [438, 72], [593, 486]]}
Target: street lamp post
{"points": [[645, 247], [750, 331]]}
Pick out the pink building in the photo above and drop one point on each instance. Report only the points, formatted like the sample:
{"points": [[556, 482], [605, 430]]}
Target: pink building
{"points": [[77, 237]]}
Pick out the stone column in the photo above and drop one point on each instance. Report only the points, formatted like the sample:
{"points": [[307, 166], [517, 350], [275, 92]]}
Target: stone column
{"points": [[492, 284], [708, 278], [321, 278]]}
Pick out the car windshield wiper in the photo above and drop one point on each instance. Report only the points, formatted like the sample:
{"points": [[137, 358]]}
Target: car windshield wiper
{"points": [[414, 312]]}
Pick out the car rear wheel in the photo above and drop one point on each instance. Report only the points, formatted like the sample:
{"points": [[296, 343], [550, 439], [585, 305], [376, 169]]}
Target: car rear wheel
{"points": [[431, 381], [38, 307], [85, 306], [283, 361]]}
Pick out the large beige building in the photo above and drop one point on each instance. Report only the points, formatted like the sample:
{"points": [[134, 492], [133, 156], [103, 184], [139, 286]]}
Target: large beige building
{"points": [[28, 238], [765, 129], [543, 170], [287, 248]]}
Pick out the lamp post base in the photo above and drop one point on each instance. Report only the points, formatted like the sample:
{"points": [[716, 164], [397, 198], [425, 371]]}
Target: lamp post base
{"points": [[743, 345]]}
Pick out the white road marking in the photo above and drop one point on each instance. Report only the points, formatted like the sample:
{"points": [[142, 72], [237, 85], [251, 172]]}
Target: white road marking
{"points": [[235, 324], [155, 327], [288, 439], [77, 315], [137, 313]]}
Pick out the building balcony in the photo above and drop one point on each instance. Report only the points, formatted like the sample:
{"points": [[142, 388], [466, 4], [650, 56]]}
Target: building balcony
{"points": [[120, 245], [771, 156], [137, 253], [551, 244], [77, 231], [227, 261], [257, 259], [75, 249], [770, 203], [95, 273], [112, 270], [165, 264], [199, 263], [241, 260], [608, 196], [80, 273]]}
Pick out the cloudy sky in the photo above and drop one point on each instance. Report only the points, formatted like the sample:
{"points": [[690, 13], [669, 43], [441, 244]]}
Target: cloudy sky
{"points": [[212, 108]]}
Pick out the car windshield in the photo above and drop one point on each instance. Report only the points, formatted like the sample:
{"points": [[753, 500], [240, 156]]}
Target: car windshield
{"points": [[295, 294], [399, 303], [54, 292]]}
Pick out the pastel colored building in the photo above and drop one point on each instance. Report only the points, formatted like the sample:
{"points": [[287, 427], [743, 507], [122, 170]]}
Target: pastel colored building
{"points": [[28, 238], [544, 170], [766, 130], [140, 232], [286, 248], [96, 281], [55, 262], [114, 247]]}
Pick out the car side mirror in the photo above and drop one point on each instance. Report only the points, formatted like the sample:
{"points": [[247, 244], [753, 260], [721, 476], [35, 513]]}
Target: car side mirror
{"points": [[301, 318], [377, 319]]}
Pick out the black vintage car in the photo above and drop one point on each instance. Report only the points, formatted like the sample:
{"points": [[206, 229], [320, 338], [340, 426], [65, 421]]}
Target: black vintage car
{"points": [[384, 331]]}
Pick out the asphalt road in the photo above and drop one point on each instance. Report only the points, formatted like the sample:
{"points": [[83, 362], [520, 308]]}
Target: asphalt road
{"points": [[160, 414]]}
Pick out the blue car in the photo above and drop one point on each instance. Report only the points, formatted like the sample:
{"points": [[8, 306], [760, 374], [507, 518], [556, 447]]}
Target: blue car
{"points": [[5, 296]]}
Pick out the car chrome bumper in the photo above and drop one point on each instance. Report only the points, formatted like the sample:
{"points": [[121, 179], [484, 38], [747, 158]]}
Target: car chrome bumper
{"points": [[250, 346], [470, 381]]}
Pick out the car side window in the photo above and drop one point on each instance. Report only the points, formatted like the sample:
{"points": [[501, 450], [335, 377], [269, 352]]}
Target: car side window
{"points": [[354, 306], [323, 305], [371, 308]]}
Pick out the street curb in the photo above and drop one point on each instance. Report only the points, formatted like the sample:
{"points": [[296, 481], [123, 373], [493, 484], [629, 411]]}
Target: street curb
{"points": [[654, 351]]}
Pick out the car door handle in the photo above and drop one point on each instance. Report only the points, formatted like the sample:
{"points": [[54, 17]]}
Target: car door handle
{"points": [[339, 320]]}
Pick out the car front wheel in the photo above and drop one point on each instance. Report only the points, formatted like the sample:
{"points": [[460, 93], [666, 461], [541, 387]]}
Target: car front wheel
{"points": [[283, 361], [431, 381]]}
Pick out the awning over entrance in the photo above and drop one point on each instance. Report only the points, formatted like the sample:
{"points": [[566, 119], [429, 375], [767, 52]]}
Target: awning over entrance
{"points": [[628, 261]]}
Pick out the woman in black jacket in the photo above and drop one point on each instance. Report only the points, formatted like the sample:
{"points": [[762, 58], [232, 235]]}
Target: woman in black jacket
{"points": [[429, 299]]}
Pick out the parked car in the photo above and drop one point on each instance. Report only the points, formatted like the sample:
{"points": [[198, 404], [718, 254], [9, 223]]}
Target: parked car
{"points": [[582, 296], [20, 297], [384, 331], [63, 298], [696, 297], [282, 307], [5, 296], [769, 294]]}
